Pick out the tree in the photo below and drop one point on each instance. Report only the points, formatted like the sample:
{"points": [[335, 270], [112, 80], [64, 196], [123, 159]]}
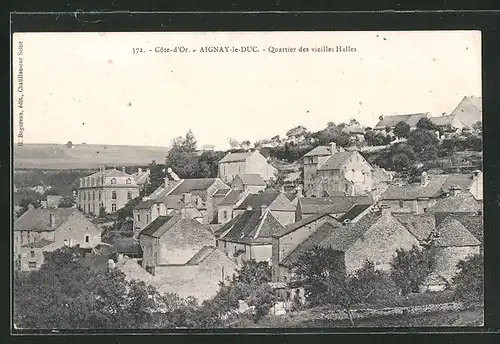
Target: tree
{"points": [[478, 126], [66, 202], [245, 145], [469, 281], [424, 143], [353, 122], [263, 298], [411, 267], [157, 174], [426, 124], [402, 130], [69, 144], [374, 138], [233, 143], [297, 134]]}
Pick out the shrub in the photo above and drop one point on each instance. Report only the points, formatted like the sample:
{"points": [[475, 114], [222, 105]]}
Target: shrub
{"points": [[470, 280]]}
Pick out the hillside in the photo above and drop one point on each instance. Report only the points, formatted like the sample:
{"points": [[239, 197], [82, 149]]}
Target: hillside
{"points": [[57, 156]]}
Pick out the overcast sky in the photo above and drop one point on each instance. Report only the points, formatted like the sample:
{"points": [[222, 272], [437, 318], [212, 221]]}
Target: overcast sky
{"points": [[89, 87]]}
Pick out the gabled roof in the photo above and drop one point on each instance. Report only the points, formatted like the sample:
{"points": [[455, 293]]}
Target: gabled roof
{"points": [[145, 205], [304, 222], [451, 232], [235, 157], [339, 238], [331, 205], [391, 120], [250, 226], [161, 191], [163, 224], [319, 151], [38, 244], [251, 179], [472, 221], [195, 184], [38, 220], [336, 161], [354, 212], [354, 130], [221, 192], [416, 190], [201, 255], [231, 198], [420, 225], [258, 200], [127, 246], [442, 121], [469, 110], [463, 202]]}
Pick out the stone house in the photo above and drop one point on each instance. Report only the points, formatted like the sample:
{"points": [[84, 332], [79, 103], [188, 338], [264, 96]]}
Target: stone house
{"points": [[250, 183], [420, 197], [41, 230], [275, 201], [173, 240], [226, 206], [469, 110], [390, 121], [248, 235], [108, 190], [376, 237], [245, 163], [328, 170], [335, 206], [291, 236]]}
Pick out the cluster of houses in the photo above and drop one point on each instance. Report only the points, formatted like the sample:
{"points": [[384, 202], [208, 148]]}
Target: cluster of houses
{"points": [[190, 234]]}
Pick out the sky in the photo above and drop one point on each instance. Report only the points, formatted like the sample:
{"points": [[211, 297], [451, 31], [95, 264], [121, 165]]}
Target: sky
{"points": [[91, 87]]}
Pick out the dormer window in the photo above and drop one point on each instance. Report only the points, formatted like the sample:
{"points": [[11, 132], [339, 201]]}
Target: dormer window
{"points": [[113, 181], [129, 181]]}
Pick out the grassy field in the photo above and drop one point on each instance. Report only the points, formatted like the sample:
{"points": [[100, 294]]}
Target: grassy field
{"points": [[54, 156]]}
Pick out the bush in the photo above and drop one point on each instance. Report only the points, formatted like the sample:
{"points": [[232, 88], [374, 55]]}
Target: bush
{"points": [[411, 267], [470, 280]]}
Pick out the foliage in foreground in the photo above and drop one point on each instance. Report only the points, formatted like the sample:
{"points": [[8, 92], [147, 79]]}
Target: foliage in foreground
{"points": [[470, 280]]}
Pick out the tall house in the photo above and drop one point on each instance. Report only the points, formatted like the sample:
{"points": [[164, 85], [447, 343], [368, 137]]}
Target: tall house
{"points": [[245, 163], [106, 190], [329, 171]]}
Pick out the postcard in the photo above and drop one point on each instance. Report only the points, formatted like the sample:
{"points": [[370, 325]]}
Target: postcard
{"points": [[247, 180]]}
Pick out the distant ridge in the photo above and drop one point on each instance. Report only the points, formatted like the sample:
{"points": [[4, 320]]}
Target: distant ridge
{"points": [[81, 156]]}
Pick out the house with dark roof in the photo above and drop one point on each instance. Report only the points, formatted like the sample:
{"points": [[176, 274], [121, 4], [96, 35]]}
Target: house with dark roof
{"points": [[42, 230], [356, 132], [420, 197], [336, 206], [251, 183], [375, 237], [390, 121], [226, 206], [329, 170], [469, 110], [274, 201], [452, 242], [173, 239], [450, 124], [249, 235], [245, 163], [287, 239], [107, 190]]}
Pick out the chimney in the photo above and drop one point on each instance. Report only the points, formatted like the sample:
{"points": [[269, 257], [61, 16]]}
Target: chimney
{"points": [[186, 198], [148, 171], [111, 264], [199, 202], [249, 207], [30, 206], [298, 191], [424, 179], [333, 148], [476, 173], [346, 222], [165, 181], [139, 170], [455, 190], [103, 168], [414, 206], [123, 169], [263, 208], [52, 221]]}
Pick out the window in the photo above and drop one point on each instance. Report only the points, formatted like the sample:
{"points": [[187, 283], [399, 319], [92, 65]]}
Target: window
{"points": [[32, 265], [129, 181], [32, 254], [225, 244], [156, 257], [113, 195], [88, 195], [147, 218], [138, 218], [225, 214], [129, 195], [93, 195], [113, 181], [401, 204], [113, 207], [217, 243], [84, 198], [93, 208], [87, 238], [99, 195]]}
